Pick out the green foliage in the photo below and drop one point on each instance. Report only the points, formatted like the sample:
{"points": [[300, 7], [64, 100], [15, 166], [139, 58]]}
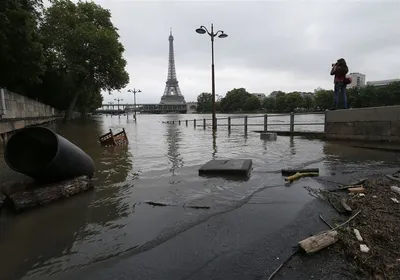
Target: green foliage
{"points": [[234, 100], [324, 99], [204, 102], [269, 104], [294, 101], [21, 53], [84, 49], [252, 103], [309, 102], [62, 55]]}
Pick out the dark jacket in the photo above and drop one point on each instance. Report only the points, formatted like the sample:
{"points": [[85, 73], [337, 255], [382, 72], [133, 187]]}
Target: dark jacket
{"points": [[340, 72]]}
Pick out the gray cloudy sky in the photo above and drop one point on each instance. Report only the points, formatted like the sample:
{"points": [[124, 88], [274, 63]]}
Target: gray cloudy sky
{"points": [[280, 45]]}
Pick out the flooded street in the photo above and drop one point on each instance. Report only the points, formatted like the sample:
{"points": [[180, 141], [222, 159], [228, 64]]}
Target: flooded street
{"points": [[161, 164]]}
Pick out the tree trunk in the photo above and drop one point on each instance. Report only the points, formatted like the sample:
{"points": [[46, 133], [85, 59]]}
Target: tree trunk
{"points": [[71, 107], [318, 242], [49, 193]]}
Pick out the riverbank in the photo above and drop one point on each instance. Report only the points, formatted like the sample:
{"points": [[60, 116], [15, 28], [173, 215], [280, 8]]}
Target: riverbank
{"points": [[377, 222]]}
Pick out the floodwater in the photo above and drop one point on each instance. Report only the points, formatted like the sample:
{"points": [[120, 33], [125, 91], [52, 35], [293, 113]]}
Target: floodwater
{"points": [[160, 164]]}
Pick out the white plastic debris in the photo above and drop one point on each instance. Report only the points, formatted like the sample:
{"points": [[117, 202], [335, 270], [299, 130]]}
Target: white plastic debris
{"points": [[395, 189], [374, 196], [361, 194], [358, 235], [364, 248], [395, 200]]}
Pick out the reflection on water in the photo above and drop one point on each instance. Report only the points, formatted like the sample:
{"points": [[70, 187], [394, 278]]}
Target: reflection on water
{"points": [[159, 164], [173, 136]]}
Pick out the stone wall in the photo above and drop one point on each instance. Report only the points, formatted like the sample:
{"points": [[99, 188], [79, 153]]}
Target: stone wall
{"points": [[20, 107], [17, 111], [371, 124]]}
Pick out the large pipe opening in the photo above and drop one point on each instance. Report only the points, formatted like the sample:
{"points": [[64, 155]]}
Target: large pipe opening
{"points": [[31, 150]]}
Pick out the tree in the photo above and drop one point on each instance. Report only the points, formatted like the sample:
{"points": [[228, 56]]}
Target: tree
{"points": [[308, 103], [84, 49], [204, 102], [269, 104], [280, 103], [234, 100], [21, 53], [294, 100], [252, 103], [324, 99]]}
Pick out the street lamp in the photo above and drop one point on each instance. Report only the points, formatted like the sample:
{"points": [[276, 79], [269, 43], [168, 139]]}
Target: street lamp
{"points": [[134, 100], [220, 34], [118, 100]]}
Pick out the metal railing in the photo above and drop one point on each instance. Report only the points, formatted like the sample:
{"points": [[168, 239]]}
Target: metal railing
{"points": [[227, 121]]}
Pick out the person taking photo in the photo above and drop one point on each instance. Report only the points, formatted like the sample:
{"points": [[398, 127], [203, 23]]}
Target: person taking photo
{"points": [[339, 70]]}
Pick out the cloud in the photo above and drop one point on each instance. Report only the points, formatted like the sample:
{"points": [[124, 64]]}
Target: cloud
{"points": [[279, 45]]}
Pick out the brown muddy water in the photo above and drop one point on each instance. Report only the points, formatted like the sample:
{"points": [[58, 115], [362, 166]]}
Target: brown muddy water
{"points": [[160, 164]]}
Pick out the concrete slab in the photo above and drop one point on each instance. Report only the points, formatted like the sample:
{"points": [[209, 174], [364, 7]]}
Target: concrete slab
{"points": [[271, 136], [231, 167]]}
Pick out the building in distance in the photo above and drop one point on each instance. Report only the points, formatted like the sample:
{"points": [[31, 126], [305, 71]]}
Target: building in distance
{"points": [[357, 80], [260, 96], [382, 82]]}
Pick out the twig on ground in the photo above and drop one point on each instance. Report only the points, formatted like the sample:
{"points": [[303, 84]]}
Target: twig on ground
{"points": [[282, 264], [392, 178], [350, 185], [322, 218], [351, 218]]}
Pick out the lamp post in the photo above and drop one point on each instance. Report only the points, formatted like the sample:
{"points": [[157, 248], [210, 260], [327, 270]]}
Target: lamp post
{"points": [[203, 30], [118, 100], [134, 101]]}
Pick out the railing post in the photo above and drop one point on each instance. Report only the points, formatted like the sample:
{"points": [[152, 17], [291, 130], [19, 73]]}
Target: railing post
{"points": [[229, 123], [173, 122], [325, 120], [245, 124], [291, 122], [186, 122], [194, 122], [265, 122], [204, 123], [179, 122]]}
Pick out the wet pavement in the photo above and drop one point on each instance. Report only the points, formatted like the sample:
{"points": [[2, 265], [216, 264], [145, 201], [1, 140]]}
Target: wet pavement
{"points": [[111, 234]]}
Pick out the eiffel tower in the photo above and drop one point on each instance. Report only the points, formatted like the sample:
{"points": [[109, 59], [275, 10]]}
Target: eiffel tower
{"points": [[172, 93]]}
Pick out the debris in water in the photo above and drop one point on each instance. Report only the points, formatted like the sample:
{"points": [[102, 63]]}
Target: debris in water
{"points": [[156, 203], [152, 203], [299, 175]]}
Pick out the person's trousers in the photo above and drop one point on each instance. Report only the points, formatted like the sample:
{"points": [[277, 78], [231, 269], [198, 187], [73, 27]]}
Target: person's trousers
{"points": [[340, 88]]}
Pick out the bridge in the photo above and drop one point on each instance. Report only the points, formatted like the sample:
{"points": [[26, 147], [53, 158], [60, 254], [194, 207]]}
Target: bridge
{"points": [[116, 109]]}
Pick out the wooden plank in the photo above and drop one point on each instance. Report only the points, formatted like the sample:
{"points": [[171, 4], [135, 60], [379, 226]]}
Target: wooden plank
{"points": [[318, 242]]}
